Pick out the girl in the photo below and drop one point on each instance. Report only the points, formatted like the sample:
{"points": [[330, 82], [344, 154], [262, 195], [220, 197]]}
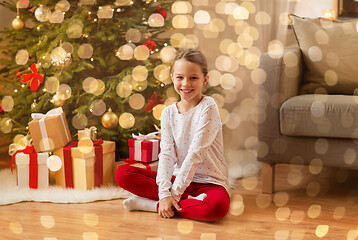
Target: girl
{"points": [[192, 174]]}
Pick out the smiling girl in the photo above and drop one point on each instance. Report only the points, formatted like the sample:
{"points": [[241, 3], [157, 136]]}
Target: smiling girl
{"points": [[192, 177]]}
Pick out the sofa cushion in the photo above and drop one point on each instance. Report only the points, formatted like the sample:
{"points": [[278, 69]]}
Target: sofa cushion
{"points": [[319, 115], [330, 54]]}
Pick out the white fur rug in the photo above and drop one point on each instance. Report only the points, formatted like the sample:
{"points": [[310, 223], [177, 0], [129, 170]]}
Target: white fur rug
{"points": [[10, 193], [241, 164]]}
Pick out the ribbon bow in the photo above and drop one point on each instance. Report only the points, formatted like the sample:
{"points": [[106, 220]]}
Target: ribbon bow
{"points": [[27, 150], [52, 112], [21, 144], [153, 101], [34, 77], [88, 132], [142, 137]]}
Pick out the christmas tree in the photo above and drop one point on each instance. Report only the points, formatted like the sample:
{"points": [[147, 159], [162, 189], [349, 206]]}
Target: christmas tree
{"points": [[106, 63]]}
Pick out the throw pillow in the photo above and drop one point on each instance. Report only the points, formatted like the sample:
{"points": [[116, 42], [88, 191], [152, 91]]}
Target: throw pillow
{"points": [[330, 54]]}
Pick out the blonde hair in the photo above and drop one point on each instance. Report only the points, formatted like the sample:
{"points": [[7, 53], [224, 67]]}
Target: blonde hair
{"points": [[194, 56]]}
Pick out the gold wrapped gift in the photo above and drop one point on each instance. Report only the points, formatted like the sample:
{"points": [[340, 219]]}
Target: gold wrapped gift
{"points": [[49, 131], [82, 165]]}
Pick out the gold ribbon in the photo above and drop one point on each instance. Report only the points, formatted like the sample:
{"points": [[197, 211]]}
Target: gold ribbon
{"points": [[20, 145]]}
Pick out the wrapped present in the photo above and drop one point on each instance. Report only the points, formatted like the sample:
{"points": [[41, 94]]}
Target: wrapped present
{"points": [[49, 131], [32, 171], [144, 148], [151, 166], [85, 168]]}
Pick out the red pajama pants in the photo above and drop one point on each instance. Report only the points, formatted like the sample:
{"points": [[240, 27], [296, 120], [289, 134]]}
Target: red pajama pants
{"points": [[142, 182]]}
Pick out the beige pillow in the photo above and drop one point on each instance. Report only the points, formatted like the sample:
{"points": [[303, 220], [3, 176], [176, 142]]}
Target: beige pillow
{"points": [[330, 54]]}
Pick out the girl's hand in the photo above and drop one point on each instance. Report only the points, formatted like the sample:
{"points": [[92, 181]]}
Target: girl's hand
{"points": [[167, 206]]}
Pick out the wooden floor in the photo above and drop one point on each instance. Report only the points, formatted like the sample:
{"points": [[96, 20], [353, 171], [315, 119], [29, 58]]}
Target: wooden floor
{"points": [[309, 204]]}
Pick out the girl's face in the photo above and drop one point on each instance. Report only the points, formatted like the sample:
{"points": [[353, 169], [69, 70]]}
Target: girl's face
{"points": [[189, 80]]}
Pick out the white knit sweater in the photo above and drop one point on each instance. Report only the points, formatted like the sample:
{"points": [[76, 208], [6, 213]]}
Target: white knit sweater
{"points": [[191, 149]]}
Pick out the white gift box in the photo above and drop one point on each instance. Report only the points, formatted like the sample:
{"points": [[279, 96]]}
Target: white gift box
{"points": [[23, 170]]}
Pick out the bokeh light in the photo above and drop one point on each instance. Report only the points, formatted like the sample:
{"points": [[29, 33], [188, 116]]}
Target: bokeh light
{"points": [[157, 111], [56, 17], [161, 72], [85, 145], [136, 101], [156, 20], [85, 51], [22, 56], [91, 219], [140, 73], [125, 52], [54, 163], [74, 30], [202, 17], [98, 107], [79, 121], [126, 120], [167, 54], [124, 89], [141, 52], [183, 21], [15, 228], [47, 221], [321, 230], [133, 35], [185, 227], [181, 7], [105, 12], [5, 125], [7, 103]]}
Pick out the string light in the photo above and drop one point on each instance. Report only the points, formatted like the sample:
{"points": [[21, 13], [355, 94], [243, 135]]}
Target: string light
{"points": [[89, 13], [15, 90], [22, 85], [118, 10]]}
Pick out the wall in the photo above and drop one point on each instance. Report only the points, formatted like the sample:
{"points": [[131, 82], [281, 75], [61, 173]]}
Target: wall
{"points": [[314, 8]]}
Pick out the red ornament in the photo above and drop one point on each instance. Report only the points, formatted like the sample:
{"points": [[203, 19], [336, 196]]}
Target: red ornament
{"points": [[162, 12], [1, 109], [150, 44], [34, 77], [18, 74], [153, 102]]}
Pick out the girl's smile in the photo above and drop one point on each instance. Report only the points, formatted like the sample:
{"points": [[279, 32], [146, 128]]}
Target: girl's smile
{"points": [[189, 81]]}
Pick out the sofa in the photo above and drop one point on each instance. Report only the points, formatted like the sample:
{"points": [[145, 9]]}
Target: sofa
{"points": [[307, 99]]}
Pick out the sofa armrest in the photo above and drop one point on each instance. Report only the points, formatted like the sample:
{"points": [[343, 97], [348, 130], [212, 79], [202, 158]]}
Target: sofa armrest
{"points": [[283, 75], [283, 79]]}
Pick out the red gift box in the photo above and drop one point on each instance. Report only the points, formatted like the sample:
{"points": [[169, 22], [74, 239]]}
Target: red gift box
{"points": [[144, 150]]}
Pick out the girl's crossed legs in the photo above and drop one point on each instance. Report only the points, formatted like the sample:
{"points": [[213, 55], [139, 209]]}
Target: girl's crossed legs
{"points": [[142, 182]]}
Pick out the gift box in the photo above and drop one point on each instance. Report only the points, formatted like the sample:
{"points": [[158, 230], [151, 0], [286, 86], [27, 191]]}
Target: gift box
{"points": [[151, 166], [88, 133], [32, 170], [49, 131], [86, 168], [142, 149]]}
